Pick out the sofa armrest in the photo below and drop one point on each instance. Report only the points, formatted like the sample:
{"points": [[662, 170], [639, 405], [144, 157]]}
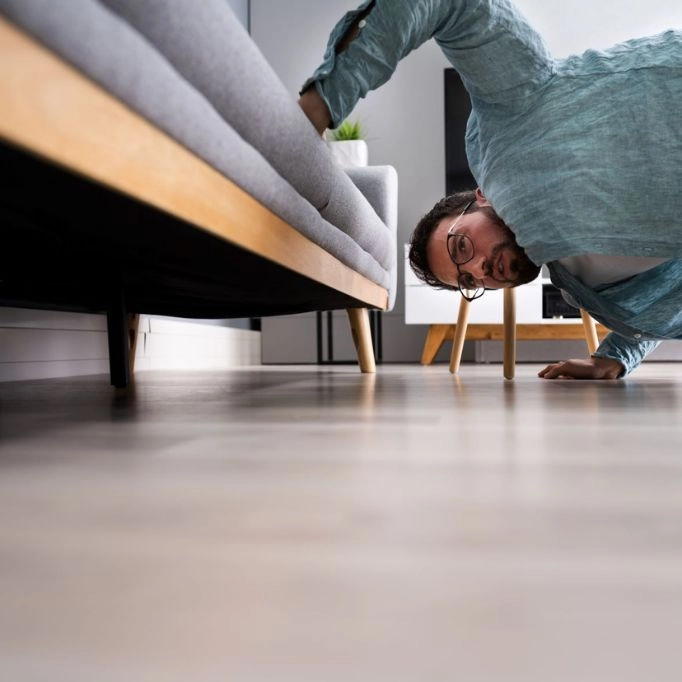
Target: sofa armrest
{"points": [[379, 185]]}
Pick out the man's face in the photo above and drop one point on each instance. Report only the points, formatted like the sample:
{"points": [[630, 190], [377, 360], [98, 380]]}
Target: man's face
{"points": [[498, 261]]}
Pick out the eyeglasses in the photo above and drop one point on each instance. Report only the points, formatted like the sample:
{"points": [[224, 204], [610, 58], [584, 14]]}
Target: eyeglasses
{"points": [[461, 251]]}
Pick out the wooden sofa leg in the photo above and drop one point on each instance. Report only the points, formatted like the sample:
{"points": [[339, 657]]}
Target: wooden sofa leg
{"points": [[362, 338], [590, 331], [460, 335], [509, 314]]}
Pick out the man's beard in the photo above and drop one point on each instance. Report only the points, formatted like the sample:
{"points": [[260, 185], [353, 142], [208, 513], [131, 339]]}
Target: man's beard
{"points": [[520, 266]]}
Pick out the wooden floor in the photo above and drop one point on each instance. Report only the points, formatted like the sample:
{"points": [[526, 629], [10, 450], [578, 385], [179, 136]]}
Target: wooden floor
{"points": [[318, 525]]}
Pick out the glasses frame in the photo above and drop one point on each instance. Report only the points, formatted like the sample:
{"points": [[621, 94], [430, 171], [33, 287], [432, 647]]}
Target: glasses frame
{"points": [[472, 294]]}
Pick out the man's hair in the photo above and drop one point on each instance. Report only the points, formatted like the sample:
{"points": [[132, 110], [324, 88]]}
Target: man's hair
{"points": [[451, 205]]}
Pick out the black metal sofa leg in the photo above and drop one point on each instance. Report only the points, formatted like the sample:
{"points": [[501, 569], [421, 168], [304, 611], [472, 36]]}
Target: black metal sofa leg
{"points": [[117, 331]]}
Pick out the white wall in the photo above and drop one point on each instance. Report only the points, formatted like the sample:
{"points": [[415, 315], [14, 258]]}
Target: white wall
{"points": [[404, 118], [572, 27]]}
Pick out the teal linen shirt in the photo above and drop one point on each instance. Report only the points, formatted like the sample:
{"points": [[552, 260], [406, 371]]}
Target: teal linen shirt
{"points": [[577, 155]]}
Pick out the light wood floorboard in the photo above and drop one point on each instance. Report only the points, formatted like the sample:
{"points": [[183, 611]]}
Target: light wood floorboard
{"points": [[316, 524]]}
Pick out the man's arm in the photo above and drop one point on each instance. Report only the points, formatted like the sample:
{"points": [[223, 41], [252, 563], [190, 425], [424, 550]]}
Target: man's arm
{"points": [[315, 109], [499, 56], [616, 357]]}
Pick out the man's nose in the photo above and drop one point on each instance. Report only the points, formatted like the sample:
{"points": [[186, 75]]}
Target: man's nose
{"points": [[478, 266]]}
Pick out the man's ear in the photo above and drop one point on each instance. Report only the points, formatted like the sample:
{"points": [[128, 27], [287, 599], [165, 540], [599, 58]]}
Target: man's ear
{"points": [[480, 198]]}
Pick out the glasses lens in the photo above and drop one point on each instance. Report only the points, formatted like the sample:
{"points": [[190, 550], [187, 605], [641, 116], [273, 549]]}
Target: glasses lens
{"points": [[461, 248], [470, 288]]}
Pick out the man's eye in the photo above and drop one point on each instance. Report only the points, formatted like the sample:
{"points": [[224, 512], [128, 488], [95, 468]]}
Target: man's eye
{"points": [[462, 245]]}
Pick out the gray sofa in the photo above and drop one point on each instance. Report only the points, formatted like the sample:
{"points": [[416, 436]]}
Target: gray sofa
{"points": [[153, 162]]}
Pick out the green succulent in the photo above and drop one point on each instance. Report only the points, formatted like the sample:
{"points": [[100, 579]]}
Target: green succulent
{"points": [[348, 131]]}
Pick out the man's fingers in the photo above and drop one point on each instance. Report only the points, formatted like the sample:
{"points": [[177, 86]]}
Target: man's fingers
{"points": [[591, 368], [552, 371]]}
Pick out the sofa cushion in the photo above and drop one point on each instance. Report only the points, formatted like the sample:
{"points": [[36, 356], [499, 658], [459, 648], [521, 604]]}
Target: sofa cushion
{"points": [[210, 48], [111, 52]]}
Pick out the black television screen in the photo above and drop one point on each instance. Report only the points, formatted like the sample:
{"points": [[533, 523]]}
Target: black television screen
{"points": [[457, 109]]}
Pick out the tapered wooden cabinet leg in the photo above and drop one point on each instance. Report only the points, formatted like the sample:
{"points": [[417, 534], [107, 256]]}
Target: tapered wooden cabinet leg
{"points": [[509, 312], [590, 327], [435, 338], [460, 335], [362, 338]]}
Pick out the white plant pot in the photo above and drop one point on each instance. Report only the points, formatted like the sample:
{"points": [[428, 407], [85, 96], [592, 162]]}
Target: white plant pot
{"points": [[349, 152]]}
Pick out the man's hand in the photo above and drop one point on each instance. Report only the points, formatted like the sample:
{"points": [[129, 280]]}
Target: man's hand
{"points": [[315, 109], [593, 368]]}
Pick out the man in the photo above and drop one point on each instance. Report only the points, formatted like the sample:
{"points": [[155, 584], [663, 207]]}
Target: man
{"points": [[578, 161]]}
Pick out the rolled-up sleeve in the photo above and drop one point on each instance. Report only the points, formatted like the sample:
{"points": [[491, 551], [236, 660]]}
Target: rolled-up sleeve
{"points": [[629, 352], [499, 56]]}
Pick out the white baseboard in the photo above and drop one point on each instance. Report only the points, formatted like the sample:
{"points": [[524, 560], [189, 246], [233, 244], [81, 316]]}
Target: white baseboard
{"points": [[165, 343], [37, 344]]}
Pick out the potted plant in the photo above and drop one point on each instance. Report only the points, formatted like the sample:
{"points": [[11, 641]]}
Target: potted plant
{"points": [[347, 144]]}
